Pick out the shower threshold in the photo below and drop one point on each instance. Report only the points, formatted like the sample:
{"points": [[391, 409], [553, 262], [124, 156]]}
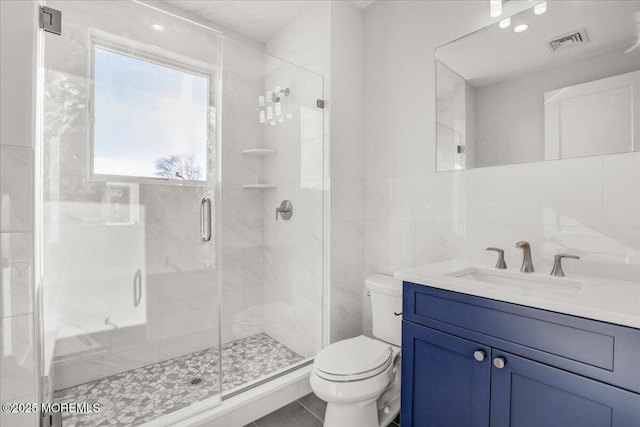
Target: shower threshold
{"points": [[144, 394]]}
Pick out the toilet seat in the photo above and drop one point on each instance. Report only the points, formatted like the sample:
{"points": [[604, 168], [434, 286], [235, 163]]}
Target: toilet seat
{"points": [[353, 359]]}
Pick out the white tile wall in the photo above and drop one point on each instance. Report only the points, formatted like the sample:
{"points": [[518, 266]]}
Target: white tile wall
{"points": [[413, 216], [16, 194], [346, 171], [17, 20], [293, 249], [563, 192], [17, 359], [328, 39], [620, 194], [17, 274]]}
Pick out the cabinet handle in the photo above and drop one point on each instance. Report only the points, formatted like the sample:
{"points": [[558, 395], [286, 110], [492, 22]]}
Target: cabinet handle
{"points": [[499, 362], [478, 355]]}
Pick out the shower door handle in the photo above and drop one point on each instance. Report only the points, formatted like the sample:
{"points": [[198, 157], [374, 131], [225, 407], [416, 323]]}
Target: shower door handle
{"points": [[137, 288], [205, 219]]}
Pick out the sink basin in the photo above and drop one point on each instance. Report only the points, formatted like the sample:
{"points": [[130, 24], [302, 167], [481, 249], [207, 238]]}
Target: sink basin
{"points": [[511, 279]]}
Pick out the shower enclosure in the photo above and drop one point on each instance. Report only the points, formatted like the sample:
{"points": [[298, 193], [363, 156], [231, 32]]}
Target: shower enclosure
{"points": [[166, 277]]}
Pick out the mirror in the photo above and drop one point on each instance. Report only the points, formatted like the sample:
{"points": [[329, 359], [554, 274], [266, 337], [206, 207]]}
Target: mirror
{"points": [[560, 80]]}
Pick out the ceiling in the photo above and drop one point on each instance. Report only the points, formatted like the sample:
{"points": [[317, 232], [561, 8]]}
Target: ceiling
{"points": [[256, 19]]}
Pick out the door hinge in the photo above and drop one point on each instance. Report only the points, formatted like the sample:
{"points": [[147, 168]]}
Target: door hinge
{"points": [[51, 20], [460, 149], [320, 103]]}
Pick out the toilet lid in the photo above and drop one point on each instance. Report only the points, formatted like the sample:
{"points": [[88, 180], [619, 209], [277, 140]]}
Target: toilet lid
{"points": [[353, 357]]}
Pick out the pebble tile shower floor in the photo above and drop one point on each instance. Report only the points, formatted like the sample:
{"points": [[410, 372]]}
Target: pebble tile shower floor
{"points": [[138, 396]]}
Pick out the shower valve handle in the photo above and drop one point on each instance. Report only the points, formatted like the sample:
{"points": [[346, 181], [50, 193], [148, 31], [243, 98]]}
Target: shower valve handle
{"points": [[285, 210]]}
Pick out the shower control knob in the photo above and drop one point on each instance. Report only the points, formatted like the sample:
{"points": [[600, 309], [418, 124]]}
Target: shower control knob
{"points": [[499, 362], [386, 410], [478, 355], [285, 210]]}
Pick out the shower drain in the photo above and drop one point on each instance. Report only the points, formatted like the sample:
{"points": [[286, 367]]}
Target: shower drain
{"points": [[196, 381]]}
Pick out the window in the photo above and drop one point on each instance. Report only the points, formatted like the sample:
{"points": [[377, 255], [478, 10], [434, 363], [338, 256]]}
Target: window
{"points": [[150, 117]]}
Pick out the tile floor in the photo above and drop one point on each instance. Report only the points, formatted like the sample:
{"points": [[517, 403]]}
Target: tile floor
{"points": [[134, 397], [308, 411]]}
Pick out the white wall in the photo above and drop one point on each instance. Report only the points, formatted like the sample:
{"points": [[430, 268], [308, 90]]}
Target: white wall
{"points": [[346, 167], [293, 249], [328, 39], [513, 131], [17, 345], [414, 216], [242, 257]]}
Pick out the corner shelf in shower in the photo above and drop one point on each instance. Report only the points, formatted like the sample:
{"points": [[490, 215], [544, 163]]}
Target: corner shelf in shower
{"points": [[259, 186], [260, 152]]}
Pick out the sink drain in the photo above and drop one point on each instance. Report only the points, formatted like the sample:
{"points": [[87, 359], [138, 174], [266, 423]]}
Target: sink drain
{"points": [[196, 381]]}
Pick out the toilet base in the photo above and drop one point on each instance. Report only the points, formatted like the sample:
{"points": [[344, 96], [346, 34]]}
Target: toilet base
{"points": [[363, 414]]}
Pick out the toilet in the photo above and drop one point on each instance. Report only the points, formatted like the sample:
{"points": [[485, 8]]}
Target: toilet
{"points": [[359, 378]]}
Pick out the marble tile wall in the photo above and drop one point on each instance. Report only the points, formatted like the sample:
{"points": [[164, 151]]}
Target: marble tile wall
{"points": [[346, 168], [242, 216], [293, 250], [17, 349], [328, 39], [413, 216]]}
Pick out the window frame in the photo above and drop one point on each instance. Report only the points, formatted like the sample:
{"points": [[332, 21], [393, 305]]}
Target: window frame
{"points": [[157, 56]]}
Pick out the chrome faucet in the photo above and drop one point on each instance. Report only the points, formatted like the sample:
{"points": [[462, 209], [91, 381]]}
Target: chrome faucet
{"points": [[557, 263], [527, 264]]}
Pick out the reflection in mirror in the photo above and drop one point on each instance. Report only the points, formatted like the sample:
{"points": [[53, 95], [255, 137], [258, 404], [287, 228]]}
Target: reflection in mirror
{"points": [[566, 86]]}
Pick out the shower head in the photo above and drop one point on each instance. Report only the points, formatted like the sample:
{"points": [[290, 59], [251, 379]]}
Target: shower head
{"points": [[275, 97]]}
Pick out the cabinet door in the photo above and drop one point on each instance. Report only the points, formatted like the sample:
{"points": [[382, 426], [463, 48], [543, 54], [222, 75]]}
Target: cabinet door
{"points": [[529, 394], [443, 384]]}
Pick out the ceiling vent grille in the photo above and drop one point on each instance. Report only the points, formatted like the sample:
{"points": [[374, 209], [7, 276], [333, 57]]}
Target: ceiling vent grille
{"points": [[569, 40]]}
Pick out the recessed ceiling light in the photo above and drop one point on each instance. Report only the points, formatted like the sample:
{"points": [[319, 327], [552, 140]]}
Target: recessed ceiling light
{"points": [[520, 28], [157, 27], [505, 23], [540, 8], [495, 8]]}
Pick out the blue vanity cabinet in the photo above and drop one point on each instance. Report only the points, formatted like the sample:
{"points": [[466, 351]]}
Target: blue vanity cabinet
{"points": [[525, 393], [537, 368], [449, 387]]}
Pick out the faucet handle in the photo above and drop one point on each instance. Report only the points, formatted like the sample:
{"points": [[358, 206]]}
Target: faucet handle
{"points": [[500, 264], [557, 263]]}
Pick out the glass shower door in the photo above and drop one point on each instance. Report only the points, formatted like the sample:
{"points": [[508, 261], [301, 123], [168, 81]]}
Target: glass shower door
{"points": [[128, 184], [272, 262]]}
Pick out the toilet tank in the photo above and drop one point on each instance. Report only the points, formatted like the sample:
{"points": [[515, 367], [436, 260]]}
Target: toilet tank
{"points": [[385, 294]]}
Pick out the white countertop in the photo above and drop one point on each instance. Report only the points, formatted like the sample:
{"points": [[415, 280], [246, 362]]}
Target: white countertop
{"points": [[608, 300]]}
